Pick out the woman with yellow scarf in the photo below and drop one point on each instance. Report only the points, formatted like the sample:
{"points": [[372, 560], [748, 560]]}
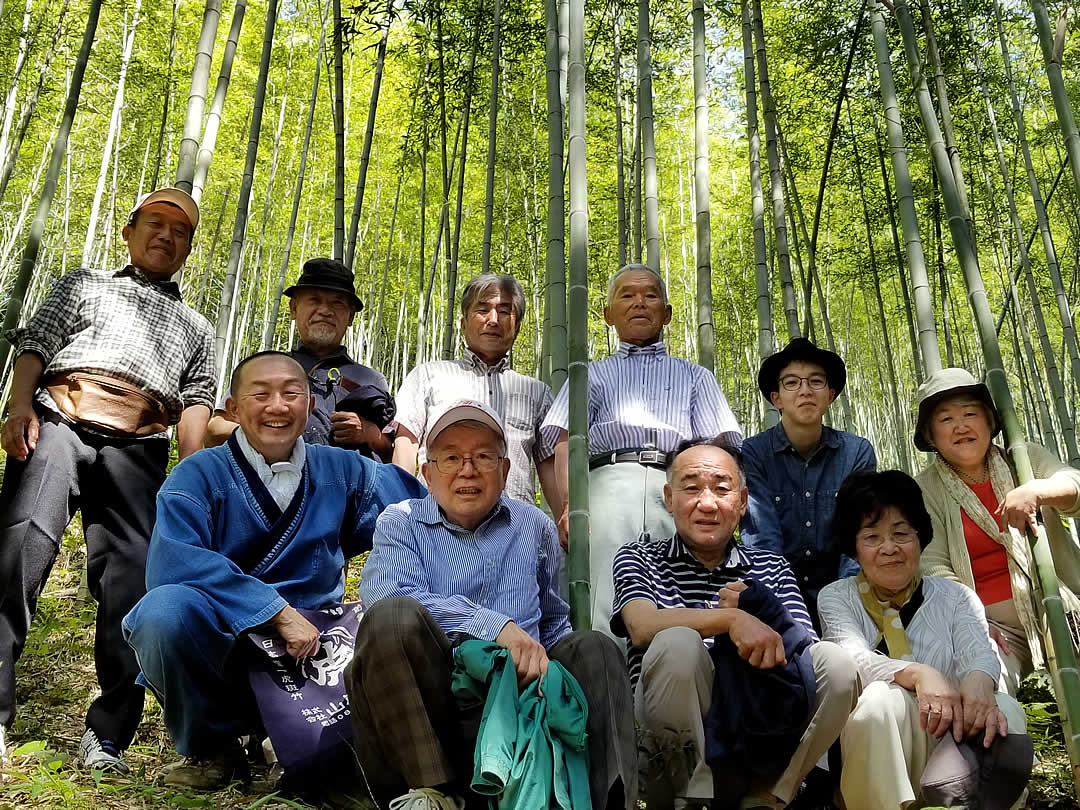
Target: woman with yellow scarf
{"points": [[923, 650]]}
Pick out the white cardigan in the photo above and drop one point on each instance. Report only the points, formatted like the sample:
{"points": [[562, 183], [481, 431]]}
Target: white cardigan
{"points": [[948, 632]]}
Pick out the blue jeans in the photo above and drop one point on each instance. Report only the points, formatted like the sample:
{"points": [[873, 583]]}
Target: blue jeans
{"points": [[188, 660]]}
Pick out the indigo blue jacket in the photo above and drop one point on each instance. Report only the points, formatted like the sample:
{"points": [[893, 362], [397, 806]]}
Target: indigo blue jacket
{"points": [[219, 530], [793, 500]]}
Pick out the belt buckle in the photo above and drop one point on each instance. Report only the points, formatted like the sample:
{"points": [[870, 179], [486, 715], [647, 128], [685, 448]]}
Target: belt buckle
{"points": [[649, 457]]}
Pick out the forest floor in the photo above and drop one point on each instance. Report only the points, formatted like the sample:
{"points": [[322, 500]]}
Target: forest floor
{"points": [[56, 683]]}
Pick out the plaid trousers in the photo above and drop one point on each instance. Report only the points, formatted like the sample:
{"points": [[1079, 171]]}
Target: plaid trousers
{"points": [[409, 731]]}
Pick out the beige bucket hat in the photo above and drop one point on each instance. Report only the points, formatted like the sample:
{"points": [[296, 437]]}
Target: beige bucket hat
{"points": [[949, 382]]}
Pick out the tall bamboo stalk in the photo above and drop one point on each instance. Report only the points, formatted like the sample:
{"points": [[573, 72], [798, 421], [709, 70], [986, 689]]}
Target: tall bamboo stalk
{"points": [[217, 106], [766, 342], [705, 333], [946, 110], [271, 322], [1052, 58], [369, 137], [899, 425], [451, 276], [111, 136], [776, 181], [555, 256], [578, 317], [243, 200], [916, 260], [200, 81], [620, 158], [648, 138], [493, 136], [48, 190], [339, 134]]}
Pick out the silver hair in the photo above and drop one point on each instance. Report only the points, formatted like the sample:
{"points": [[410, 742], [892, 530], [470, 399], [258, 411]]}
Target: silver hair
{"points": [[635, 268], [478, 287]]}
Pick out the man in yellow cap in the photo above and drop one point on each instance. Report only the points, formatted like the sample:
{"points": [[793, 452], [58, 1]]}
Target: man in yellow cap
{"points": [[108, 363]]}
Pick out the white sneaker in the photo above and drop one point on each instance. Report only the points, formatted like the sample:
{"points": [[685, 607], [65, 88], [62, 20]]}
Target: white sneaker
{"points": [[5, 758], [426, 799], [101, 755]]}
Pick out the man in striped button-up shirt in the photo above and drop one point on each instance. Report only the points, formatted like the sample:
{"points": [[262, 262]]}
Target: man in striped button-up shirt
{"points": [[492, 309], [642, 404], [469, 562]]}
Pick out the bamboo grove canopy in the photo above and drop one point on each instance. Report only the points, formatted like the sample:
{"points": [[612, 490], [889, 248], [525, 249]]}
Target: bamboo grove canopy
{"points": [[896, 179]]}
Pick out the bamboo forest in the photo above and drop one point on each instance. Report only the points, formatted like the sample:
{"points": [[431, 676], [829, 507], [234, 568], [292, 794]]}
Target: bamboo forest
{"points": [[897, 180]]}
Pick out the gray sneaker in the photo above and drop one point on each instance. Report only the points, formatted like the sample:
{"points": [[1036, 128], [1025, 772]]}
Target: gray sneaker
{"points": [[101, 755]]}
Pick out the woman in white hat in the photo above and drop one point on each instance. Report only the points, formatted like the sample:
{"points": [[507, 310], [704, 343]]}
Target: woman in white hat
{"points": [[979, 514]]}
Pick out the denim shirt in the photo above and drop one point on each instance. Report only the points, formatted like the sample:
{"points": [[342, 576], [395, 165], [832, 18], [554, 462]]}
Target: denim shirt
{"points": [[792, 501]]}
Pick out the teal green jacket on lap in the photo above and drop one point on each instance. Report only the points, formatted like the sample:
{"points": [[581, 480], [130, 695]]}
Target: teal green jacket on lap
{"points": [[531, 749]]}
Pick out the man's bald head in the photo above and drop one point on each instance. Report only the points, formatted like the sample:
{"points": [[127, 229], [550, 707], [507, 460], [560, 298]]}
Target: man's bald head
{"points": [[237, 378]]}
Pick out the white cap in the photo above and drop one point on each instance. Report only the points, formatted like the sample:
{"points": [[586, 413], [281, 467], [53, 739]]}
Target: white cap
{"points": [[465, 410], [173, 196]]}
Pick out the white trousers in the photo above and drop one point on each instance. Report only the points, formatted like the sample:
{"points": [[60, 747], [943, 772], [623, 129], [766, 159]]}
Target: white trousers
{"points": [[885, 749]]}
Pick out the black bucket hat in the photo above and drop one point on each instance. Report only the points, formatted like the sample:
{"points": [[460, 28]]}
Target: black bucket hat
{"points": [[326, 274], [801, 350]]}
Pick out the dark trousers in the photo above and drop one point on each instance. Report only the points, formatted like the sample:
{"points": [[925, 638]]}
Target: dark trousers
{"points": [[409, 732], [114, 482]]}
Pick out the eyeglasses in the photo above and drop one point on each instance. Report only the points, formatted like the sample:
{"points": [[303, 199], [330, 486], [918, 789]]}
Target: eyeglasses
{"points": [[875, 541], [452, 462], [792, 382]]}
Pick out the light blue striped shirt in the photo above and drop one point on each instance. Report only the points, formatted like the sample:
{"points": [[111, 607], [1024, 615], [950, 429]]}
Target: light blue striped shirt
{"points": [[642, 395], [471, 582]]}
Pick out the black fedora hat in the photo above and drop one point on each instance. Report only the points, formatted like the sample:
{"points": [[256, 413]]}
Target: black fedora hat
{"points": [[326, 274], [801, 350]]}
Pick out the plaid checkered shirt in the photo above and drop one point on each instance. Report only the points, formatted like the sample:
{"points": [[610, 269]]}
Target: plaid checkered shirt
{"points": [[127, 326]]}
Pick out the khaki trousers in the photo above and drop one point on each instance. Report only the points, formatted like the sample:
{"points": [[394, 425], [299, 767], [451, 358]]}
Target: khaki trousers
{"points": [[885, 749], [625, 500], [1017, 664], [675, 692]]}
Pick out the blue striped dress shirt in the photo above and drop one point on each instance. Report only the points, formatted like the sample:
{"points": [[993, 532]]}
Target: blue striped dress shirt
{"points": [[472, 582], [642, 395], [665, 573]]}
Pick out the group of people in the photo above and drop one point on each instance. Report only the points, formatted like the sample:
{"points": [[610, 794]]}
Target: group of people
{"points": [[770, 614]]}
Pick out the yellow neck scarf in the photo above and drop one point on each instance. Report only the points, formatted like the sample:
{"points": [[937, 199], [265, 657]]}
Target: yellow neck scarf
{"points": [[885, 611]]}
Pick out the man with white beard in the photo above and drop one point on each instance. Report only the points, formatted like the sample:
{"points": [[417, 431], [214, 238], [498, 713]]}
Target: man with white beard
{"points": [[353, 405]]}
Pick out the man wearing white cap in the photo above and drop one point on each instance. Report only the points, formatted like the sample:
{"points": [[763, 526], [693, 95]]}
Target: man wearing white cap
{"points": [[110, 360], [469, 562]]}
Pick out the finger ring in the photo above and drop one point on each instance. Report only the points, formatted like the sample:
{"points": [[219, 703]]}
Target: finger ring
{"points": [[935, 710]]}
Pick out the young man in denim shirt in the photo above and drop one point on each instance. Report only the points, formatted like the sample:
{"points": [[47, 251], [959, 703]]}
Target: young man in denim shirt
{"points": [[794, 469]]}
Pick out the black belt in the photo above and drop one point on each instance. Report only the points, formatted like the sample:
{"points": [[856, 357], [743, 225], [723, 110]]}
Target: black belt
{"points": [[648, 458]]}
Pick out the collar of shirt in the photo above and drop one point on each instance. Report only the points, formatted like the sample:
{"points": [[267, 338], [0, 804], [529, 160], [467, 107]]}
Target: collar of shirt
{"points": [[737, 556], [170, 288], [782, 444], [282, 477], [431, 514], [471, 359], [308, 359], [629, 349]]}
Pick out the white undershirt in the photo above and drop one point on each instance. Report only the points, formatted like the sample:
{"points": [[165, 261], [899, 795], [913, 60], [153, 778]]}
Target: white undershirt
{"points": [[282, 477]]}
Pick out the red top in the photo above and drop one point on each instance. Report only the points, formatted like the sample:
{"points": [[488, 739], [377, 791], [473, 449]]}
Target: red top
{"points": [[989, 560]]}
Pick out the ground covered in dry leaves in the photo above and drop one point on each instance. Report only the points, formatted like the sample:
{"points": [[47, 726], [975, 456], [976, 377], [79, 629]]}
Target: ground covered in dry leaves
{"points": [[56, 683]]}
